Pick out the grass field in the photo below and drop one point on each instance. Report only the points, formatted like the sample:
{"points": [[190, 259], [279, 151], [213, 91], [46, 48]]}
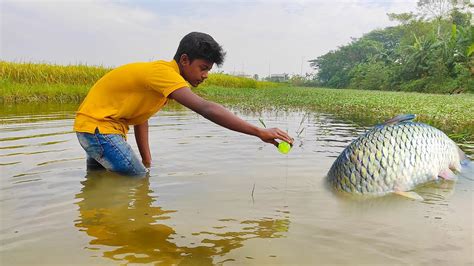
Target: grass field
{"points": [[43, 83], [452, 113], [30, 82]]}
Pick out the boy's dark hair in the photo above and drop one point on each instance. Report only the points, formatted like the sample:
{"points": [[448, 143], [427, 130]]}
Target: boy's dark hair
{"points": [[198, 45]]}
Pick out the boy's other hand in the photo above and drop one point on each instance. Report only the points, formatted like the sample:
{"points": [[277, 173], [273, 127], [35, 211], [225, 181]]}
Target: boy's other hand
{"points": [[270, 135], [146, 163]]}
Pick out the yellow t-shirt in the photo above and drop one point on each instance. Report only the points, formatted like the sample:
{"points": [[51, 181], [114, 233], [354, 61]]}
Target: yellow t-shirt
{"points": [[128, 95]]}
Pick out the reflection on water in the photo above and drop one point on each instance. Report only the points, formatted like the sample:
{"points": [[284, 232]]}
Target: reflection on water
{"points": [[434, 193], [117, 212], [125, 223], [214, 197]]}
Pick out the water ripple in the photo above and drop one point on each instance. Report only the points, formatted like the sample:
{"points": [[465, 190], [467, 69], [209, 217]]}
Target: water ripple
{"points": [[218, 197]]}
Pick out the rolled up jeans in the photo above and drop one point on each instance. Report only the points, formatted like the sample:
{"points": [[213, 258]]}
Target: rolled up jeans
{"points": [[110, 151]]}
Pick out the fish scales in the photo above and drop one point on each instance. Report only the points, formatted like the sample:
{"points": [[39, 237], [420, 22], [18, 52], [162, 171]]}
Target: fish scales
{"points": [[393, 157]]}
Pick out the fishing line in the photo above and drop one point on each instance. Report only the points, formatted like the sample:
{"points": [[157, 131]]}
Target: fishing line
{"points": [[286, 160], [285, 200]]}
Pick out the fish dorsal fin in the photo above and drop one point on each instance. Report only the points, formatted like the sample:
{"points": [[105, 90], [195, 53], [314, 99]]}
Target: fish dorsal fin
{"points": [[400, 118]]}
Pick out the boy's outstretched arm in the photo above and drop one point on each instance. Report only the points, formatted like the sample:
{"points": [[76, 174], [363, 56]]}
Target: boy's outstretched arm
{"points": [[141, 136], [221, 116]]}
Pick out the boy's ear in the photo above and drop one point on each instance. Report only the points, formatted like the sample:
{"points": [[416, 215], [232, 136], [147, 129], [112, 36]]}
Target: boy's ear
{"points": [[184, 59]]}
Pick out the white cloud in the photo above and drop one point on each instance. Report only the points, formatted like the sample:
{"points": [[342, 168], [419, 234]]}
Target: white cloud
{"points": [[256, 35]]}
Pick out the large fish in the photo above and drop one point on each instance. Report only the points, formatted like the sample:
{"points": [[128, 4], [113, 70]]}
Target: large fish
{"points": [[394, 157]]}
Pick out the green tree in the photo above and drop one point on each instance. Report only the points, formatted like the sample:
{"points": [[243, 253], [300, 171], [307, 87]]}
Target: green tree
{"points": [[372, 75], [430, 51], [334, 67]]}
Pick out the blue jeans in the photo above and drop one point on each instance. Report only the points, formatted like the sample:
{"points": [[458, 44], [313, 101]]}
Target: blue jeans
{"points": [[110, 151]]}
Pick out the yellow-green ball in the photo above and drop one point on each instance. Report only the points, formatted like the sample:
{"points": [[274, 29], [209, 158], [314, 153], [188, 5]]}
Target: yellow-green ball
{"points": [[284, 147]]}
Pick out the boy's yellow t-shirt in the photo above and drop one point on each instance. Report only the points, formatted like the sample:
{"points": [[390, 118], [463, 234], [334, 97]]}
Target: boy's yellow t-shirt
{"points": [[128, 95]]}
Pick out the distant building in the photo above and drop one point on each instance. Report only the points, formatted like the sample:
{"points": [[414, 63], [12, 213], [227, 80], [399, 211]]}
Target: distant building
{"points": [[242, 75], [278, 77]]}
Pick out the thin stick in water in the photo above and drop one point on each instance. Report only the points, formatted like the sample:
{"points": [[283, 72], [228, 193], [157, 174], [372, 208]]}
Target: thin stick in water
{"points": [[253, 189]]}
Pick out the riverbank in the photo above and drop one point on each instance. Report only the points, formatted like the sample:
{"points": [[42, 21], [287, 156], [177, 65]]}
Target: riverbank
{"points": [[36, 82], [39, 83], [451, 113], [16, 93]]}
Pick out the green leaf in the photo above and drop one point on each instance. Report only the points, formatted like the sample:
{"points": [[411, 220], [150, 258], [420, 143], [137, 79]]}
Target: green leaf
{"points": [[470, 50], [453, 32], [261, 121]]}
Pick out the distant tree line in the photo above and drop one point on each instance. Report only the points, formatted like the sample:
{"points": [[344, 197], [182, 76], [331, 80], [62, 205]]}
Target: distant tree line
{"points": [[429, 51]]}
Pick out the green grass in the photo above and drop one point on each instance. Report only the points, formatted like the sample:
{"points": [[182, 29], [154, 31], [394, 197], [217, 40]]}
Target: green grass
{"points": [[42, 83], [32, 82], [13, 92], [228, 81], [451, 113], [34, 73]]}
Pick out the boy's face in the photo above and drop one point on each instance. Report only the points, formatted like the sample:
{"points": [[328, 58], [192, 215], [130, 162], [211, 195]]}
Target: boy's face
{"points": [[194, 72]]}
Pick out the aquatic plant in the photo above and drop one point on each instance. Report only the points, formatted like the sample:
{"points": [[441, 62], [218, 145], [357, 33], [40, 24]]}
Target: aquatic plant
{"points": [[451, 113]]}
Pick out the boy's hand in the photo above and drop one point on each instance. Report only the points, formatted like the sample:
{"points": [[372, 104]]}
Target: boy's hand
{"points": [[270, 135], [146, 163], [141, 136], [221, 116]]}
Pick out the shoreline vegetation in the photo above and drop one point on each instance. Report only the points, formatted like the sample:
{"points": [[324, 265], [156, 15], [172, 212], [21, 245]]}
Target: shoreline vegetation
{"points": [[430, 50], [43, 83], [39, 82], [450, 113]]}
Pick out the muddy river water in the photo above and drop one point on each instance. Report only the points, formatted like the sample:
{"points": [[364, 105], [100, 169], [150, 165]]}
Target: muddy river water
{"points": [[213, 197]]}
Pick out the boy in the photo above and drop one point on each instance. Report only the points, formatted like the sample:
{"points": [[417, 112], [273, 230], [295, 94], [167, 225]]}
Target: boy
{"points": [[130, 94]]}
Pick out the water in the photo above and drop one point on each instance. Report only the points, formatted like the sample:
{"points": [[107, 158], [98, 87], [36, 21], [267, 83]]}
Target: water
{"points": [[214, 197]]}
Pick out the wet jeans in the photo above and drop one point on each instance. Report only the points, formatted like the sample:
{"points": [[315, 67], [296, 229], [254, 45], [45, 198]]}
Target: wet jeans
{"points": [[110, 151]]}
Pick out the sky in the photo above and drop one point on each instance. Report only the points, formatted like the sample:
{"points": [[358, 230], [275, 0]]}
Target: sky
{"points": [[259, 37]]}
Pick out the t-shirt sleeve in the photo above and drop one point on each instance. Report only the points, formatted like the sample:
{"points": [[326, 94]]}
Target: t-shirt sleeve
{"points": [[165, 80]]}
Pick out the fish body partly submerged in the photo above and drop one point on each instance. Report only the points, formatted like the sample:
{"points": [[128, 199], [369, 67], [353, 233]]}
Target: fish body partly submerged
{"points": [[395, 157]]}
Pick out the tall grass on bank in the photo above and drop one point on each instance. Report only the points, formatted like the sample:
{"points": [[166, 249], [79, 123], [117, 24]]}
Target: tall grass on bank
{"points": [[30, 82], [451, 113], [12, 92], [32, 73], [228, 81]]}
